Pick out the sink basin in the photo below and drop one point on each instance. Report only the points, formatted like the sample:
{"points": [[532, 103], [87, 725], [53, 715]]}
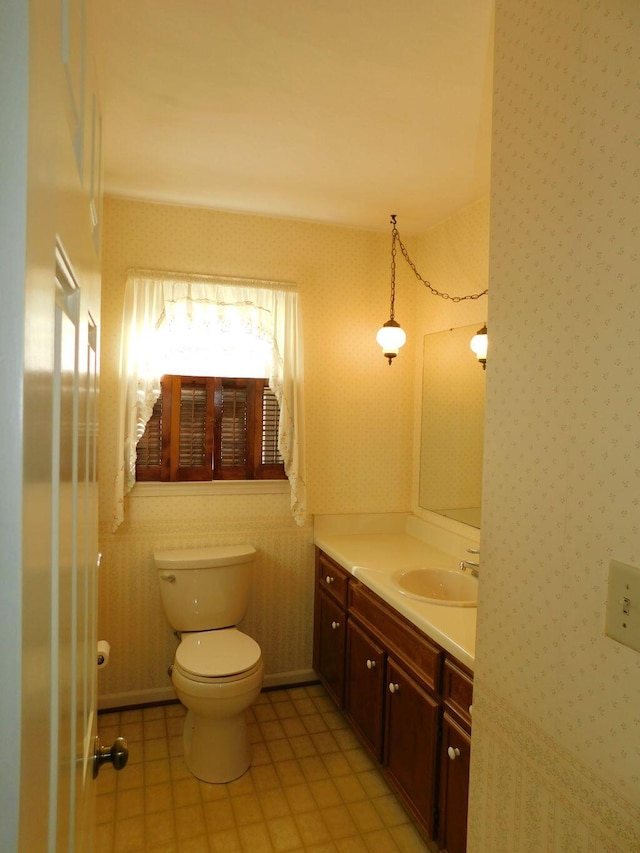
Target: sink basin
{"points": [[438, 586]]}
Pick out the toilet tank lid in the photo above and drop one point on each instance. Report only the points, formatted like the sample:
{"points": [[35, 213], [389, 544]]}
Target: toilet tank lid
{"points": [[200, 558]]}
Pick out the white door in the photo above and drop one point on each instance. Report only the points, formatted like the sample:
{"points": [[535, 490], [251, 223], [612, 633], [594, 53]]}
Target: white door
{"points": [[49, 368]]}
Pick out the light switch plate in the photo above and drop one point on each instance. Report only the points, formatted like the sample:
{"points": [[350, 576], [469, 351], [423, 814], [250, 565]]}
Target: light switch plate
{"points": [[623, 604]]}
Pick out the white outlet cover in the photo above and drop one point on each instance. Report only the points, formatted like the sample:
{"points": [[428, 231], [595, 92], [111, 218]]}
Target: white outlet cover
{"points": [[622, 621]]}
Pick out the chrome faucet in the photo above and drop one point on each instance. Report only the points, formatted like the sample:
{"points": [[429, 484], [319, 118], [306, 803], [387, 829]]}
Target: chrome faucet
{"points": [[469, 564]]}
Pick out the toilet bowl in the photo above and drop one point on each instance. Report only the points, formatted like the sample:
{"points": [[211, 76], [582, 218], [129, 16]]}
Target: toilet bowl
{"points": [[218, 670], [217, 695]]}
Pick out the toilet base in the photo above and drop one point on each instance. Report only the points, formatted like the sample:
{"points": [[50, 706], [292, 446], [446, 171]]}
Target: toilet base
{"points": [[216, 750], [216, 741]]}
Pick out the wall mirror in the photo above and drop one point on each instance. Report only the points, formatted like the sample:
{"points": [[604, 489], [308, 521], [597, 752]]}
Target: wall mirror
{"points": [[452, 438]]}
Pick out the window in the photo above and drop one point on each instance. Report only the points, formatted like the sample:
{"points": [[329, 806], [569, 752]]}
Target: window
{"points": [[172, 325], [211, 428]]}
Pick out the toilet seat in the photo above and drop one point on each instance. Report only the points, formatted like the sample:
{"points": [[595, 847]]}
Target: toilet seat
{"points": [[218, 656]]}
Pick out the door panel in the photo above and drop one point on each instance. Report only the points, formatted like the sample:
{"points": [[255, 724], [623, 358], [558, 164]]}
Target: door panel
{"points": [[73, 58], [73, 565], [330, 646], [364, 686], [75, 514], [454, 786], [411, 737], [86, 636], [64, 554]]}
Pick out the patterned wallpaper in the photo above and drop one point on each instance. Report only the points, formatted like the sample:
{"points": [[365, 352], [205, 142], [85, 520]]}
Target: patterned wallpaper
{"points": [[556, 739], [454, 257], [359, 423]]}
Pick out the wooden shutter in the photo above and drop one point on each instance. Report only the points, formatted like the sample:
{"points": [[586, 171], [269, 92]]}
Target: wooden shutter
{"points": [[192, 428], [149, 448], [269, 463], [234, 403], [152, 451], [205, 428]]}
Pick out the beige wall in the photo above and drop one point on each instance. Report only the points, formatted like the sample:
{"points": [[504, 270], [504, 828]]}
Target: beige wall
{"points": [[359, 417], [556, 740]]}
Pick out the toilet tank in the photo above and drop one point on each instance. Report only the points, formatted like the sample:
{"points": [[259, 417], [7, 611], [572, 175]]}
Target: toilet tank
{"points": [[205, 588]]}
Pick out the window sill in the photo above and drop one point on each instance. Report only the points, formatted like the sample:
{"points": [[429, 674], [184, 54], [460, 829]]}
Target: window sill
{"points": [[211, 487]]}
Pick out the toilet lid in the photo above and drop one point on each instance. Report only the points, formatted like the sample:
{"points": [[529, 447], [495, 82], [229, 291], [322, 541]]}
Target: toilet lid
{"points": [[213, 654]]}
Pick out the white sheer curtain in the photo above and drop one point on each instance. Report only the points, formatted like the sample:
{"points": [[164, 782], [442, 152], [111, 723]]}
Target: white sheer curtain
{"points": [[209, 326]]}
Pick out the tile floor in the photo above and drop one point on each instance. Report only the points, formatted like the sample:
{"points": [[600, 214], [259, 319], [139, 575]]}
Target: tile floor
{"points": [[311, 787]]}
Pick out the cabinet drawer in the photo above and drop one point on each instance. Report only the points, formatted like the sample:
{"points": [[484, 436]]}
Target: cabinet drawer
{"points": [[332, 578], [457, 690], [398, 635]]}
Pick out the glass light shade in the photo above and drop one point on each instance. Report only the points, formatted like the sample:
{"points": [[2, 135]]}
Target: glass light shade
{"points": [[479, 344], [391, 337]]}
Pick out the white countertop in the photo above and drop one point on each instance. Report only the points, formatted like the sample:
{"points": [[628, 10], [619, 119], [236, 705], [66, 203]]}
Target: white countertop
{"points": [[374, 557]]}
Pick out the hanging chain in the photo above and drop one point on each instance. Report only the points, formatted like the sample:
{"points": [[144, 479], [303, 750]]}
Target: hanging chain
{"points": [[396, 236]]}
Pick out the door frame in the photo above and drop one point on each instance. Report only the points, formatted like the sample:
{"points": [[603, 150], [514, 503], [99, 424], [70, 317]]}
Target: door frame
{"points": [[14, 95]]}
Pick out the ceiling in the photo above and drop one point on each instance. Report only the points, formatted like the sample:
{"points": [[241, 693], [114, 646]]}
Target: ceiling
{"points": [[336, 111]]}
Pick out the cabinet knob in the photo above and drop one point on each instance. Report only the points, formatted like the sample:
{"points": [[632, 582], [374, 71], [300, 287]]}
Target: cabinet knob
{"points": [[394, 688], [453, 752], [329, 579], [470, 710], [371, 664], [335, 625]]}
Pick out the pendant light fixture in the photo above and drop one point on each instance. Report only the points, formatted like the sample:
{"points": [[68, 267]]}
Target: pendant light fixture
{"points": [[391, 336], [479, 345]]}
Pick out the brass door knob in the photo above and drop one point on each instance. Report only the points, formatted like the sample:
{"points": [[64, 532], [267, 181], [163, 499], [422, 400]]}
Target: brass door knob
{"points": [[116, 754]]}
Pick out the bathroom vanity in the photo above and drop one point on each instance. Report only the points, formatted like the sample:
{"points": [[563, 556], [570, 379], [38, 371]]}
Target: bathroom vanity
{"points": [[401, 669]]}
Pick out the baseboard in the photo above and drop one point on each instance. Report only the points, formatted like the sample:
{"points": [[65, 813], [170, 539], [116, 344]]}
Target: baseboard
{"points": [[158, 695], [130, 699], [290, 679]]}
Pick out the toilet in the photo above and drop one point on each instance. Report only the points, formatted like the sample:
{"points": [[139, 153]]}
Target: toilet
{"points": [[217, 671]]}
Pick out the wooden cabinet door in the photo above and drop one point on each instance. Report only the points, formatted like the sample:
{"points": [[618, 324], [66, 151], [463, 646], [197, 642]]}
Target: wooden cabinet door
{"points": [[411, 738], [329, 645], [454, 787], [364, 687]]}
